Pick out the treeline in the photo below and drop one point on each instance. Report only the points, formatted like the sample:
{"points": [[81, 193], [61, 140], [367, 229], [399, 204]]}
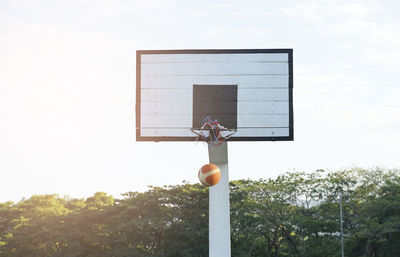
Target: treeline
{"points": [[296, 214]]}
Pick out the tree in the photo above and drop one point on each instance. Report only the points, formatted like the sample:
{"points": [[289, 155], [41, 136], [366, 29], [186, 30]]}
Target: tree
{"points": [[295, 214]]}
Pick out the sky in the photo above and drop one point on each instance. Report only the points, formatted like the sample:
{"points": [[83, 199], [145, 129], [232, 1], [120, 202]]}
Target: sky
{"points": [[67, 89]]}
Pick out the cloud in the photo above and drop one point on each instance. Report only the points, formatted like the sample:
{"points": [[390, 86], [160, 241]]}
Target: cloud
{"points": [[357, 9], [68, 81]]}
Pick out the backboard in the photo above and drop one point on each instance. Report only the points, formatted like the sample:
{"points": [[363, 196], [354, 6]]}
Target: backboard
{"points": [[247, 90]]}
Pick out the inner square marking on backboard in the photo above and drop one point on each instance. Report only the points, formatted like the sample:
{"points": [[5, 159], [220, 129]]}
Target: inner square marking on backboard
{"points": [[217, 101]]}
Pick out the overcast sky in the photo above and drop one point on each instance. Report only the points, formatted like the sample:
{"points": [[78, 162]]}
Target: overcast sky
{"points": [[67, 89]]}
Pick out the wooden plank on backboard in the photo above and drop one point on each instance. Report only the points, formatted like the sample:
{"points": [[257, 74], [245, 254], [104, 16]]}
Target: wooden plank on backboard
{"points": [[241, 132], [243, 81], [185, 107], [171, 69], [244, 94], [212, 58], [185, 121]]}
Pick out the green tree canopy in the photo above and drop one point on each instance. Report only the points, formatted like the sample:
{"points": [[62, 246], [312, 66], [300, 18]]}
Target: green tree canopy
{"points": [[295, 214]]}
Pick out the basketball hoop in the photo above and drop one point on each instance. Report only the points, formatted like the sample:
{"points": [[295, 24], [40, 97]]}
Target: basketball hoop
{"points": [[212, 132]]}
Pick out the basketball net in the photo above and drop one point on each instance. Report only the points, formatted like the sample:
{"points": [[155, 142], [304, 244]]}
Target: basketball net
{"points": [[212, 132]]}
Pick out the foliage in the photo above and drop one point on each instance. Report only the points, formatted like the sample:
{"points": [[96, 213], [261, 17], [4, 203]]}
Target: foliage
{"points": [[295, 214]]}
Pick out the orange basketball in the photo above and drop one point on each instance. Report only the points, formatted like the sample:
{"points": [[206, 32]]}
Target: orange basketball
{"points": [[209, 174]]}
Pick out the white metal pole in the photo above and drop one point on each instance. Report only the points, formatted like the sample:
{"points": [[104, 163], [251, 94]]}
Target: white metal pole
{"points": [[219, 216]]}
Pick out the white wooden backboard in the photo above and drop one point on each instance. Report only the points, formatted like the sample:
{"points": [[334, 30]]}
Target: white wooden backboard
{"points": [[165, 80]]}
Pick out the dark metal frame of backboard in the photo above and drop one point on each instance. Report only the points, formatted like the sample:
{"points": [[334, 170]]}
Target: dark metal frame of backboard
{"points": [[213, 51]]}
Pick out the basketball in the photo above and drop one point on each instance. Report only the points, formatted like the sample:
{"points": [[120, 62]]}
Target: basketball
{"points": [[209, 174]]}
